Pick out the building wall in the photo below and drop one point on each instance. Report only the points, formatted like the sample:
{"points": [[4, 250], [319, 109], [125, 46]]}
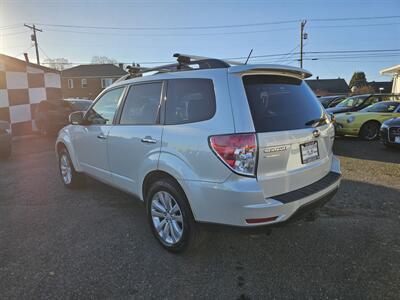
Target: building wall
{"points": [[22, 87], [91, 91]]}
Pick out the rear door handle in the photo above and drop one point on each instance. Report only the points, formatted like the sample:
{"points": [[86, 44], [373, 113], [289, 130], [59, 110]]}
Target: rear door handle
{"points": [[101, 136], [149, 140]]}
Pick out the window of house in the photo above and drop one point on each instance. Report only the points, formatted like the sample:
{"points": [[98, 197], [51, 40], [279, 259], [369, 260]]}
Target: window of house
{"points": [[105, 82], [83, 83], [70, 83], [141, 104]]}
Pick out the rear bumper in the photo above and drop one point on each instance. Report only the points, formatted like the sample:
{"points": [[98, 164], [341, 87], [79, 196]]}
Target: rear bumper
{"points": [[240, 201]]}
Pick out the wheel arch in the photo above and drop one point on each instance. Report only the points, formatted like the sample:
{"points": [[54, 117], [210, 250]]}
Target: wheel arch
{"points": [[368, 122], [65, 143], [152, 177]]}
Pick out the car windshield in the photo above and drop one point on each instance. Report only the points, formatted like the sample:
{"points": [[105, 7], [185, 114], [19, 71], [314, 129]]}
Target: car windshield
{"points": [[326, 100], [352, 101], [382, 107], [279, 103], [80, 105]]}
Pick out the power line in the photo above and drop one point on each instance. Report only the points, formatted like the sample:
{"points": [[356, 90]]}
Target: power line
{"points": [[219, 26]]}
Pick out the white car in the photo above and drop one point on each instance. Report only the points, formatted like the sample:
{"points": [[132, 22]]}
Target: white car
{"points": [[206, 141]]}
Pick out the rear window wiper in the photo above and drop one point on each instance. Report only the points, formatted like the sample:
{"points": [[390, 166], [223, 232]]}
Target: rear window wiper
{"points": [[316, 121]]}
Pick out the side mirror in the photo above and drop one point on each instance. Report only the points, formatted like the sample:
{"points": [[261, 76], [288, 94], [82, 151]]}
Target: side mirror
{"points": [[76, 118]]}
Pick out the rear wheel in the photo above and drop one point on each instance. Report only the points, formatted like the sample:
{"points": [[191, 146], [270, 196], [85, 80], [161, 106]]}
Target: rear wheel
{"points": [[69, 176], [370, 131], [170, 216]]}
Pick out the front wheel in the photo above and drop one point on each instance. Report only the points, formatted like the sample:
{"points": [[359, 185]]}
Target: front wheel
{"points": [[369, 131], [69, 176], [170, 216]]}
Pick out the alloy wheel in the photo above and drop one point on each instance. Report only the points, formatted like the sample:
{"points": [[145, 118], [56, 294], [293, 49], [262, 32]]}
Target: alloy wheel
{"points": [[167, 217], [65, 168]]}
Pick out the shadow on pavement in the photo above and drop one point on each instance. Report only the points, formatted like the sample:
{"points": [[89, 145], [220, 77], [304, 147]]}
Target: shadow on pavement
{"points": [[355, 148]]}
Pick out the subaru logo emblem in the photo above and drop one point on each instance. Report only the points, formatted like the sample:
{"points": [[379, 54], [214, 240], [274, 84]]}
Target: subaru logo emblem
{"points": [[316, 133]]}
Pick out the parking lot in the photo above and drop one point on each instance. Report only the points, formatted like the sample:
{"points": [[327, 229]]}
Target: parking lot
{"points": [[95, 242]]}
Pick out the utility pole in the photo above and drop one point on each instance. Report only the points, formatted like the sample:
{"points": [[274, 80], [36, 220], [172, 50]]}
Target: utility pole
{"points": [[34, 39], [303, 36]]}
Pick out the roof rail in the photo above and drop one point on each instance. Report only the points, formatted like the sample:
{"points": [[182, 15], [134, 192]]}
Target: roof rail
{"points": [[185, 62]]}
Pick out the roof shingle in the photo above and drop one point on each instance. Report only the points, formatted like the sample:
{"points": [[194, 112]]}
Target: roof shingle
{"points": [[94, 70]]}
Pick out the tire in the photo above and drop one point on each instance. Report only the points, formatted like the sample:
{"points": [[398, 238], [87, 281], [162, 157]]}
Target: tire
{"points": [[369, 131], [180, 231], [69, 176]]}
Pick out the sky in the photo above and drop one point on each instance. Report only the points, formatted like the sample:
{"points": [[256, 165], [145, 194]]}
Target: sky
{"points": [[151, 31]]}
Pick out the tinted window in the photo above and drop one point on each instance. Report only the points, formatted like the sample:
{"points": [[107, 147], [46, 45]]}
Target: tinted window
{"points": [[189, 100], [103, 111], [384, 107], [281, 103], [141, 105]]}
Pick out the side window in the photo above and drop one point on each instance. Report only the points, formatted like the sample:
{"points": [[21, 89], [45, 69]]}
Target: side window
{"points": [[189, 100], [103, 111], [371, 100], [141, 104]]}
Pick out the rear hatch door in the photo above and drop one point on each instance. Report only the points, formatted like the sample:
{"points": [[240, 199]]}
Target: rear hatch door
{"points": [[293, 130]]}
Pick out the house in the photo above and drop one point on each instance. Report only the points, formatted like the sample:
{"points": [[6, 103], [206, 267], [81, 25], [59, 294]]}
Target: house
{"points": [[381, 86], [22, 86], [395, 72], [87, 81], [326, 87]]}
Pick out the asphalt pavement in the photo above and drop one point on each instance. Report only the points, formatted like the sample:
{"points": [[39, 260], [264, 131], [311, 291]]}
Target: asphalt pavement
{"points": [[95, 243]]}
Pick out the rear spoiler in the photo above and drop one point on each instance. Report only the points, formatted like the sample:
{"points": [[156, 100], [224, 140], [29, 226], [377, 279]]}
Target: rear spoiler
{"points": [[270, 68]]}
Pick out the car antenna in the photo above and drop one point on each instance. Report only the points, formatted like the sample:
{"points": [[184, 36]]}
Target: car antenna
{"points": [[248, 57]]}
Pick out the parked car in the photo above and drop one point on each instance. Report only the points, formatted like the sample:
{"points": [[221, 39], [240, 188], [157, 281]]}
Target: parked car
{"points": [[356, 103], [331, 101], [52, 115], [5, 139], [367, 122], [390, 132], [244, 145]]}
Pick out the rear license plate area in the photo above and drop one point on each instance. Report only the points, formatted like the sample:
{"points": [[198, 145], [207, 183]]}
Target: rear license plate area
{"points": [[309, 152]]}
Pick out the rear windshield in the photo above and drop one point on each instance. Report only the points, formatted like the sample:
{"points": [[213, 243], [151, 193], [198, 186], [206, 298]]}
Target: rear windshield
{"points": [[280, 103]]}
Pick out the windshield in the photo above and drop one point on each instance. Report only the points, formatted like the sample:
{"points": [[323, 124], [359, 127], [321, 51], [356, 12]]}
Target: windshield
{"points": [[352, 101], [382, 107], [80, 105], [280, 103]]}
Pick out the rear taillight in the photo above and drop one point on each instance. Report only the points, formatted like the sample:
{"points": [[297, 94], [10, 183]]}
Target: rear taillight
{"points": [[237, 151]]}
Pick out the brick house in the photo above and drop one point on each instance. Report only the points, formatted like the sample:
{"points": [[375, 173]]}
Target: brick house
{"points": [[22, 86], [87, 81], [326, 87]]}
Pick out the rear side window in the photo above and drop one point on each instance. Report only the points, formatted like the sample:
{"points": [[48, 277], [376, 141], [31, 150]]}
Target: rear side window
{"points": [[280, 103], [141, 104], [189, 100]]}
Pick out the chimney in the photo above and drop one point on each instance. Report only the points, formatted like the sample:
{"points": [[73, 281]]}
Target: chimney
{"points": [[26, 57], [317, 77], [121, 66]]}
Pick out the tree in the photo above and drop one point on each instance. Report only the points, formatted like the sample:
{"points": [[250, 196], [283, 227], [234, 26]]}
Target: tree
{"points": [[103, 60], [58, 63], [358, 80]]}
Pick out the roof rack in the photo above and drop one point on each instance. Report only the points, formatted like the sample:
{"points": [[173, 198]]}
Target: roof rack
{"points": [[185, 62]]}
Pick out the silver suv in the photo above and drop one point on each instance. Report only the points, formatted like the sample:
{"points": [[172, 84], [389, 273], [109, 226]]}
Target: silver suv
{"points": [[206, 141]]}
